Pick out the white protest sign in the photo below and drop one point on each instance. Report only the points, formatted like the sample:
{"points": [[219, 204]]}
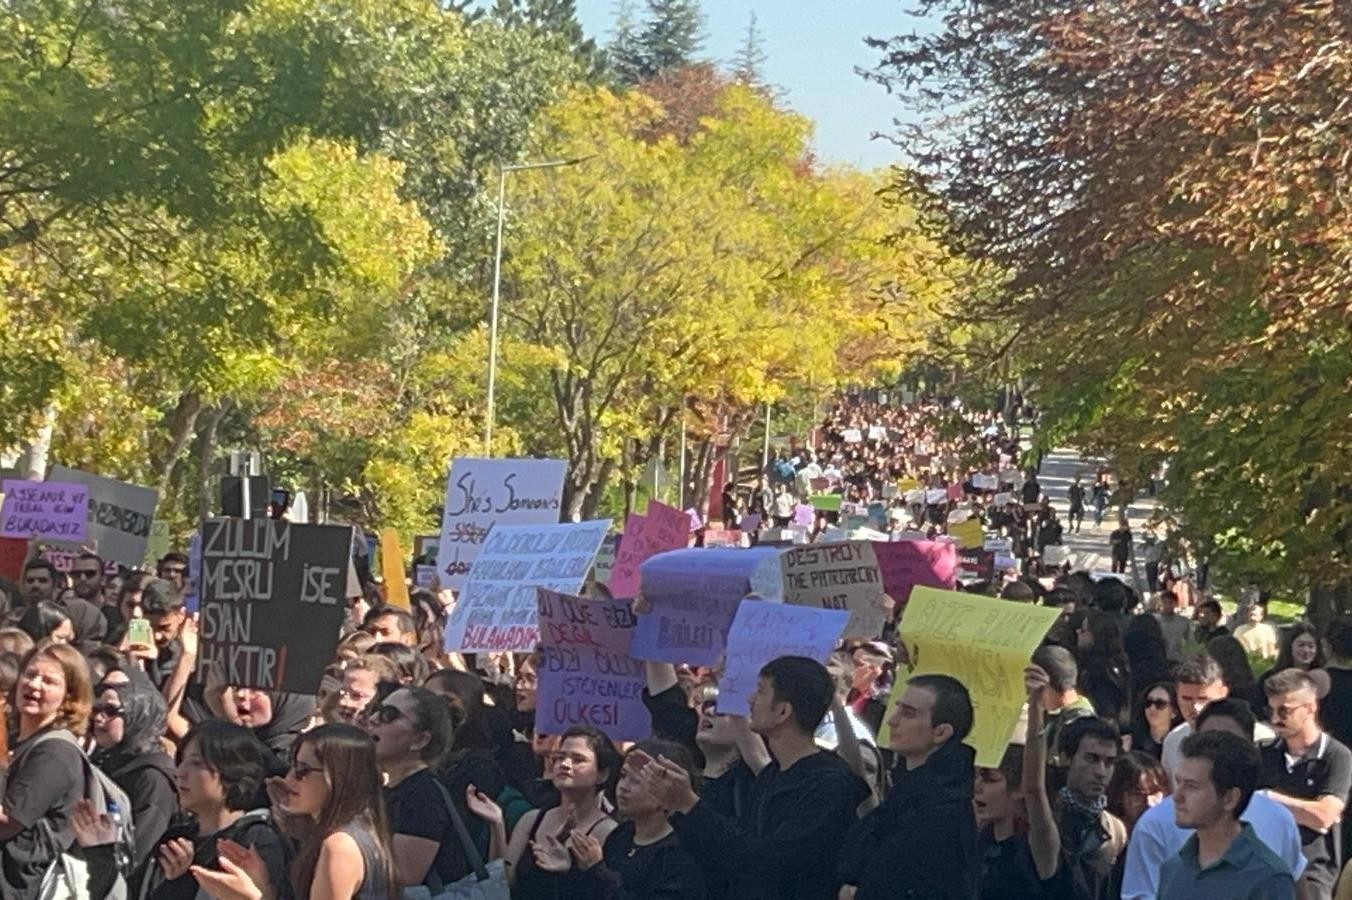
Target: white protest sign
{"points": [[496, 610], [120, 515], [837, 576], [852, 435], [936, 496], [761, 632], [482, 493], [877, 433]]}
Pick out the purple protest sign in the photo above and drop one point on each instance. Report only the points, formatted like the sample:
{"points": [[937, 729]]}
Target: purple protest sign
{"points": [[48, 510], [663, 528], [804, 515], [908, 564], [694, 595], [761, 632], [587, 675]]}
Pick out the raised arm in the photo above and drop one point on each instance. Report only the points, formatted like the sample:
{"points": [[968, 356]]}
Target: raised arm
{"points": [[1043, 838]]}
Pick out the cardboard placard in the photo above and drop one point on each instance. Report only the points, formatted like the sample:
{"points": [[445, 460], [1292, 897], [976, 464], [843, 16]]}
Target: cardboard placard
{"points": [[46, 510], [826, 502], [484, 493], [120, 514], [982, 642], [694, 595], [761, 632], [969, 533], [837, 576], [392, 569], [13, 555], [587, 676], [909, 564], [663, 528], [497, 607], [260, 578], [604, 564]]}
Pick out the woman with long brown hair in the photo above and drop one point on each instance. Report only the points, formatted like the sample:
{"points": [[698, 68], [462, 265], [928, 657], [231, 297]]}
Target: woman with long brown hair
{"points": [[51, 704], [331, 800]]}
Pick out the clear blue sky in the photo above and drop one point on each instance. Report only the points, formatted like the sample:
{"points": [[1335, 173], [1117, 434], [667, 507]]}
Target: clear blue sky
{"points": [[813, 47]]}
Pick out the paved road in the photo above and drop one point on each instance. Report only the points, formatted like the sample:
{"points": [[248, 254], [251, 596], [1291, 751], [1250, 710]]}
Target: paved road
{"points": [[1089, 548]]}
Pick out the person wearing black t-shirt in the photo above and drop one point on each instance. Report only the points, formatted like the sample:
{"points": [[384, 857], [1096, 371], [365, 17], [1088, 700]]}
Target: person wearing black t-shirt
{"points": [[412, 730], [1008, 871], [1310, 773]]}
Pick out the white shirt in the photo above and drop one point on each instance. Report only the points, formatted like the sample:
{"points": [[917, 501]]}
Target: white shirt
{"points": [[1171, 751], [1157, 837]]}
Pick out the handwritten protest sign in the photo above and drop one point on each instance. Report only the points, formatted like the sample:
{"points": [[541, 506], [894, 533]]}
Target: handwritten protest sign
{"points": [[663, 528], [483, 493], [48, 510], [984, 643], [392, 569], [837, 576], [908, 564], [852, 435], [272, 601], [120, 514], [968, 534], [694, 595], [587, 676], [975, 564], [804, 515], [497, 607], [604, 564], [761, 632], [826, 502], [425, 576]]}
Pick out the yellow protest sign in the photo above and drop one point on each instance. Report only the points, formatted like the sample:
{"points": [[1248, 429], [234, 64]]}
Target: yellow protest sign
{"points": [[968, 534], [392, 569], [907, 484], [984, 643]]}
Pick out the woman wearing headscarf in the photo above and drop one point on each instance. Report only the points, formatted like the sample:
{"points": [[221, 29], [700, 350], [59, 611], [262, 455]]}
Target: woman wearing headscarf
{"points": [[276, 718], [129, 721]]}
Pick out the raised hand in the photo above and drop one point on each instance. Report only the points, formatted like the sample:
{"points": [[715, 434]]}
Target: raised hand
{"points": [[483, 806], [93, 828]]}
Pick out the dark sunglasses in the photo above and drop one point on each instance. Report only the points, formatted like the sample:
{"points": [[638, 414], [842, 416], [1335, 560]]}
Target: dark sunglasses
{"points": [[1158, 704], [387, 714], [84, 573], [175, 570], [107, 709]]}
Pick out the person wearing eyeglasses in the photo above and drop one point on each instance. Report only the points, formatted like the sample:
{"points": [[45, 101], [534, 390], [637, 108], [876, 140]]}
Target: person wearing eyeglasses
{"points": [[412, 732], [128, 722], [332, 796], [219, 780], [1309, 772]]}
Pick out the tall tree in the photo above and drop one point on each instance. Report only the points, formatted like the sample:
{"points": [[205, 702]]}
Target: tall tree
{"points": [[623, 54], [1175, 242], [672, 36], [748, 66], [556, 19]]}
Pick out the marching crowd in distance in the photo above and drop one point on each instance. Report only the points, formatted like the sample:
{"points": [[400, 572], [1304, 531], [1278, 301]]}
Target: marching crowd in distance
{"points": [[1153, 762]]}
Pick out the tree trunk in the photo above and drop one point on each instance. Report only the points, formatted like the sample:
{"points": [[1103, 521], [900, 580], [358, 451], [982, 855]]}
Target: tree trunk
{"points": [[41, 447], [182, 427], [706, 454]]}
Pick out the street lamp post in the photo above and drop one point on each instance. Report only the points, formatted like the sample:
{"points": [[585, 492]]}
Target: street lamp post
{"points": [[497, 283]]}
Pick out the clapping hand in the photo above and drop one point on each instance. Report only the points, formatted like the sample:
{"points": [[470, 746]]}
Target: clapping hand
{"points": [[585, 849], [483, 806], [665, 781], [550, 854], [92, 828]]}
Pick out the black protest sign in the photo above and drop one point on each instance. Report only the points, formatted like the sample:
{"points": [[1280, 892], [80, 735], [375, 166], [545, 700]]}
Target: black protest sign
{"points": [[273, 597]]}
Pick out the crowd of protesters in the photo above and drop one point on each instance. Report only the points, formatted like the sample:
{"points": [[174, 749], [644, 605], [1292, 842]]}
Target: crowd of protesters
{"points": [[1150, 762]]}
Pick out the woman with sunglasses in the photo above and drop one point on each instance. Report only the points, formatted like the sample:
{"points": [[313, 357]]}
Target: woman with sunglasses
{"points": [[412, 732], [128, 722], [219, 779], [583, 768], [331, 795], [1155, 715]]}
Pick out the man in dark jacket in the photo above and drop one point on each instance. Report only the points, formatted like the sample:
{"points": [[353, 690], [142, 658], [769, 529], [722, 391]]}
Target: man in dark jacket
{"points": [[922, 841], [802, 804]]}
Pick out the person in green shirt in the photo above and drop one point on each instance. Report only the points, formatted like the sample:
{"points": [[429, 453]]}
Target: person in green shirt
{"points": [[1224, 859]]}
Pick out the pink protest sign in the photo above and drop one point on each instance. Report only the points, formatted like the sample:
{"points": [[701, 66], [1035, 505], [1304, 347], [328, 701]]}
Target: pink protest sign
{"points": [[663, 528], [587, 674], [908, 564], [49, 510], [804, 515]]}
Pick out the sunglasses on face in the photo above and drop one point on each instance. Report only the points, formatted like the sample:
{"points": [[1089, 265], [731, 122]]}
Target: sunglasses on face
{"points": [[1157, 703], [107, 709], [387, 714], [85, 573], [301, 771], [167, 573]]}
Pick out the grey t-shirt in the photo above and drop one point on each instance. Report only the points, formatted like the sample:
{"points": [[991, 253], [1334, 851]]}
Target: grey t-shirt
{"points": [[46, 778]]}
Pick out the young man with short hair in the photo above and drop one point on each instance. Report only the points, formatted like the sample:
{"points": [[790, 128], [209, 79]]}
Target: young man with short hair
{"points": [[1074, 840], [173, 568], [1198, 681], [1062, 702], [1310, 773], [1157, 835], [1176, 628], [1224, 859], [390, 623], [1209, 615], [802, 803], [922, 840]]}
